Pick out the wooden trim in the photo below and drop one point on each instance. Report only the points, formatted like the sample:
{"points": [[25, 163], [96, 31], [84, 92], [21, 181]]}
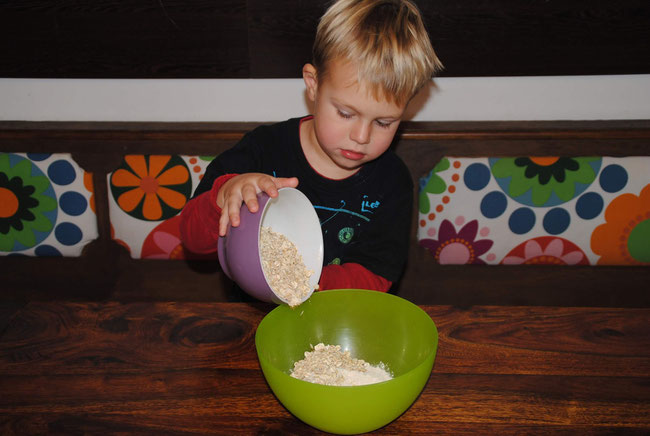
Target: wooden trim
{"points": [[548, 134], [122, 131]]}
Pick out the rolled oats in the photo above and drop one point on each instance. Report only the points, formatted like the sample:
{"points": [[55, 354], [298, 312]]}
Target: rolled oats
{"points": [[328, 365], [284, 268]]}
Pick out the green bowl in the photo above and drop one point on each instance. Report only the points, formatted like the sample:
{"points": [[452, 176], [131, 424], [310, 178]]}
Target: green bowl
{"points": [[373, 326]]}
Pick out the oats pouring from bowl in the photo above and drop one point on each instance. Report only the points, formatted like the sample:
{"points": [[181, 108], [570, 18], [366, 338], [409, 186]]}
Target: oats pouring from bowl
{"points": [[284, 267]]}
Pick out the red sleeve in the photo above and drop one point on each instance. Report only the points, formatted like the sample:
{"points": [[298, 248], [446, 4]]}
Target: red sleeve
{"points": [[199, 224], [351, 276]]}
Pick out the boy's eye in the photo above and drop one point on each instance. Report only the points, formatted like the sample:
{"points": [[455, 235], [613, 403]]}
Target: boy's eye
{"points": [[383, 124], [343, 114]]}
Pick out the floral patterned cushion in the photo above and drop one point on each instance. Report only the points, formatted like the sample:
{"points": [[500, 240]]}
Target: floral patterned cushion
{"points": [[147, 194], [46, 205], [537, 210]]}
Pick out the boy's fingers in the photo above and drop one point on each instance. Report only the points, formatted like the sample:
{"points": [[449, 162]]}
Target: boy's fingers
{"points": [[233, 204], [289, 182], [286, 182], [233, 216], [271, 187], [252, 205], [249, 196], [223, 223], [268, 185]]}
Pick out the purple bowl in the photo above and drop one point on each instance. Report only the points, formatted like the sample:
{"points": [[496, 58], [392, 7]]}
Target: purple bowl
{"points": [[290, 213]]}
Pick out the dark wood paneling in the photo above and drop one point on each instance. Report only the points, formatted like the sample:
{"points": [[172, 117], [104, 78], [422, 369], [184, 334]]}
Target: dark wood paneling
{"points": [[263, 39], [106, 271], [540, 37], [120, 39], [281, 36]]}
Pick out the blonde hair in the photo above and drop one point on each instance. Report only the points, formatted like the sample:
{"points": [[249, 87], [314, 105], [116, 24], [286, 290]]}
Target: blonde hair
{"points": [[385, 38]]}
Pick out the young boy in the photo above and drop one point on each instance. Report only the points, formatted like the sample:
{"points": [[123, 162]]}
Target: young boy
{"points": [[370, 57]]}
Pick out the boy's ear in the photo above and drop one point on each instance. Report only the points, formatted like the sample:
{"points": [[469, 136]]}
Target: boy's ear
{"points": [[310, 77]]}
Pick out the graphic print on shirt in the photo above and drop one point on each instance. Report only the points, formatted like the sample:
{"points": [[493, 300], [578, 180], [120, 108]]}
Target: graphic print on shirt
{"points": [[339, 210], [346, 234], [341, 224]]}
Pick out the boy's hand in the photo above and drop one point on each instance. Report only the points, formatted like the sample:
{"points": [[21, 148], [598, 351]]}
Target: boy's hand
{"points": [[244, 189]]}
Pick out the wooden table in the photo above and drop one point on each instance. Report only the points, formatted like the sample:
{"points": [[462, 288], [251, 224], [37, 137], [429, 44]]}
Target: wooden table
{"points": [[191, 368]]}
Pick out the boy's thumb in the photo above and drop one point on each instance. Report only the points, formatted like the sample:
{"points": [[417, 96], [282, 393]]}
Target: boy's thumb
{"points": [[287, 182]]}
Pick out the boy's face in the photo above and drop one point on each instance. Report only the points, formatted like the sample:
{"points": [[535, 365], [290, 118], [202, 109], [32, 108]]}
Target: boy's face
{"points": [[350, 127]]}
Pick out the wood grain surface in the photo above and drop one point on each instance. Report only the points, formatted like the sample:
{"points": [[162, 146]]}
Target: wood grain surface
{"points": [[191, 368]]}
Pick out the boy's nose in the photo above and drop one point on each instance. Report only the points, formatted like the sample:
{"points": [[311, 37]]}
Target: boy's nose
{"points": [[360, 132]]}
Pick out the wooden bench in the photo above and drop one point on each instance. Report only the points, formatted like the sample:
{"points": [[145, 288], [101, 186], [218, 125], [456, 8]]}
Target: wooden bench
{"points": [[105, 270]]}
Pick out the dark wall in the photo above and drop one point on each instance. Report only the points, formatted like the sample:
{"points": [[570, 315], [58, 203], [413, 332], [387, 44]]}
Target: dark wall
{"points": [[262, 39]]}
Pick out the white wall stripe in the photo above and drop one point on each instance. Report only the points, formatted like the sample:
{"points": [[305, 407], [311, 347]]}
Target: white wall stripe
{"points": [[455, 99]]}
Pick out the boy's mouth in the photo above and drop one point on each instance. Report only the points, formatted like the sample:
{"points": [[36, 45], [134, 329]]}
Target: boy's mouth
{"points": [[352, 155]]}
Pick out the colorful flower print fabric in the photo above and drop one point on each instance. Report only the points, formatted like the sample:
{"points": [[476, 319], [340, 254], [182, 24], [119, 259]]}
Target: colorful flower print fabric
{"points": [[624, 237], [147, 194], [46, 205], [537, 210]]}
